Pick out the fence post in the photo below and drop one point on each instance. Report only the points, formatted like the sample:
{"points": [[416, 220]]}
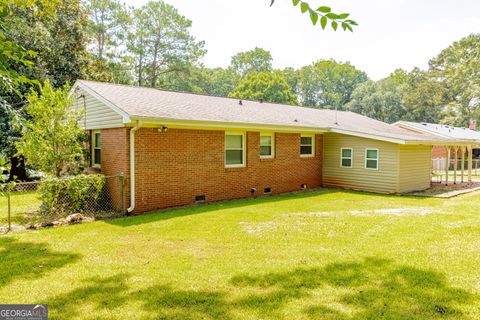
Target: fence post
{"points": [[9, 212], [122, 183]]}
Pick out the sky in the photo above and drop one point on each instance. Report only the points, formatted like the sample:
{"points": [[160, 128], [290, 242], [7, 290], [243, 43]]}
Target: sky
{"points": [[390, 35]]}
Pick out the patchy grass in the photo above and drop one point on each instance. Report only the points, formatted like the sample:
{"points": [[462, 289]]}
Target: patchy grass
{"points": [[23, 204], [316, 255]]}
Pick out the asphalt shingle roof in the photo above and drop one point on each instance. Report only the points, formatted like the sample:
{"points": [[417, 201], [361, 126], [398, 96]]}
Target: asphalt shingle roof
{"points": [[445, 130], [141, 102]]}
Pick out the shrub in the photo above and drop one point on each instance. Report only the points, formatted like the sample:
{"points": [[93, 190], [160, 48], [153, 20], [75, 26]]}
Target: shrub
{"points": [[64, 196]]}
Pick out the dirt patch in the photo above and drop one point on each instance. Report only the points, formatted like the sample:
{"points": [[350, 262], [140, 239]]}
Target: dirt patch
{"points": [[397, 211], [258, 228]]}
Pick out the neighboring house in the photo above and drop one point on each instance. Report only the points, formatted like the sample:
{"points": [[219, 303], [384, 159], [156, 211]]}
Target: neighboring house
{"points": [[179, 148]]}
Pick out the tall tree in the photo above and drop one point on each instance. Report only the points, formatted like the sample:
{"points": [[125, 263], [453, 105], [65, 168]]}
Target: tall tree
{"points": [[161, 43], [328, 84], [424, 97], [108, 20], [381, 100], [269, 86], [255, 60], [458, 67]]}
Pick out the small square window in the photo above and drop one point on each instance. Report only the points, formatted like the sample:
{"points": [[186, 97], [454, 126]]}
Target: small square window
{"points": [[266, 145], [306, 146]]}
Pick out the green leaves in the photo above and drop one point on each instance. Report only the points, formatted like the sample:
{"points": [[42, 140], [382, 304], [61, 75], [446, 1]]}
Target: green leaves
{"points": [[324, 13], [304, 7], [313, 17]]}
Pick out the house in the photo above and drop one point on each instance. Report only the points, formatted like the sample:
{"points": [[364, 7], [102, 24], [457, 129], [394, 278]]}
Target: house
{"points": [[452, 156], [178, 148]]}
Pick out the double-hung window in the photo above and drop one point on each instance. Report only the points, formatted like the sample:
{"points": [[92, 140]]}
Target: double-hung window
{"points": [[307, 146], [266, 145], [96, 148], [346, 155], [371, 159], [234, 150]]}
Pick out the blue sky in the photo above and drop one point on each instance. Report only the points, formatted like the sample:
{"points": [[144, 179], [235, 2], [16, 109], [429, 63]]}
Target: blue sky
{"points": [[390, 35]]}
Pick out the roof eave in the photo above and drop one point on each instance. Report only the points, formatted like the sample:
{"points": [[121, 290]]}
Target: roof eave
{"points": [[202, 124]]}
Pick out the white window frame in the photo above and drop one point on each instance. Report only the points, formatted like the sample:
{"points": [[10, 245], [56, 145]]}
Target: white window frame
{"points": [[244, 158], [311, 155], [377, 159], [342, 157], [272, 136], [94, 140]]}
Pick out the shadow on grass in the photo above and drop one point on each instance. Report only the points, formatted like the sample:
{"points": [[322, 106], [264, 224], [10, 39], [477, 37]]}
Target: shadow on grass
{"points": [[172, 213], [27, 260], [376, 289]]}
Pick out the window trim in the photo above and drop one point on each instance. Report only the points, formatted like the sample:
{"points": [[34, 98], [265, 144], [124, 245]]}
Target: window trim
{"points": [[377, 159], [342, 157], [311, 155], [272, 136], [94, 140], [244, 157]]}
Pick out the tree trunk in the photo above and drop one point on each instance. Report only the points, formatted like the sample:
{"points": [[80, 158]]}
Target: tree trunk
{"points": [[18, 171]]}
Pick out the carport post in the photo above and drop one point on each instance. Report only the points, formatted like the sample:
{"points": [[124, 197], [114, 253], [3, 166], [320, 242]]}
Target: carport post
{"points": [[469, 149], [447, 164], [455, 165], [463, 161]]}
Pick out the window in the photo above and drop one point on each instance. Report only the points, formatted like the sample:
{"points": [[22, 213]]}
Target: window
{"points": [[97, 146], [371, 159], [306, 146], [266, 145], [346, 155], [234, 150]]}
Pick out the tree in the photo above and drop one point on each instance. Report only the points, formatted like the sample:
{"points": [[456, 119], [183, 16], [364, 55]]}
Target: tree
{"points": [[269, 86], [55, 31], [218, 81], [328, 84], [255, 60], [160, 42], [381, 100], [52, 138], [424, 97], [458, 68], [108, 20]]}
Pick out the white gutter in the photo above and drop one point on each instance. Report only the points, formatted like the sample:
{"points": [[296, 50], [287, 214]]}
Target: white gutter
{"points": [[132, 167]]}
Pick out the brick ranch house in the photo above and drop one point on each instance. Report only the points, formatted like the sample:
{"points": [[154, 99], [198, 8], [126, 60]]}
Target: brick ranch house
{"points": [[178, 148]]}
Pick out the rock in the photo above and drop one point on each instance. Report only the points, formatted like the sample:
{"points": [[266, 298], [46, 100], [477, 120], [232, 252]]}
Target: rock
{"points": [[74, 218]]}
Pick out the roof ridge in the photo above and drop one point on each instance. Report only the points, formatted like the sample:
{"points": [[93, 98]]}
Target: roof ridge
{"points": [[212, 96]]}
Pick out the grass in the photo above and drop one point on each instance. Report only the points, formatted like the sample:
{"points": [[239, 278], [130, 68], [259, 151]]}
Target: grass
{"points": [[22, 205], [316, 255]]}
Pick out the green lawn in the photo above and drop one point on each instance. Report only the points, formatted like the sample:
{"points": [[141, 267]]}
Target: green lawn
{"points": [[316, 255], [22, 205]]}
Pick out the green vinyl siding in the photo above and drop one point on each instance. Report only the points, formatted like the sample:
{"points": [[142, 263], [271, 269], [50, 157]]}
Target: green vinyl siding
{"points": [[415, 168], [384, 179]]}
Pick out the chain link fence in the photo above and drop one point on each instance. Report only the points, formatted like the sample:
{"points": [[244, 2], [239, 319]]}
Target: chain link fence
{"points": [[21, 205]]}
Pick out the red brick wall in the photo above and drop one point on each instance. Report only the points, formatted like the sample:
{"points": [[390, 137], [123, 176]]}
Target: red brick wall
{"points": [[174, 167], [115, 161], [439, 152]]}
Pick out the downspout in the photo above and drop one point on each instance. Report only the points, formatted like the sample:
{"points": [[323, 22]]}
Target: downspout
{"points": [[132, 167]]}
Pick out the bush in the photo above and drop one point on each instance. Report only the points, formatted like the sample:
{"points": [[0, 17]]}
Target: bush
{"points": [[64, 196]]}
